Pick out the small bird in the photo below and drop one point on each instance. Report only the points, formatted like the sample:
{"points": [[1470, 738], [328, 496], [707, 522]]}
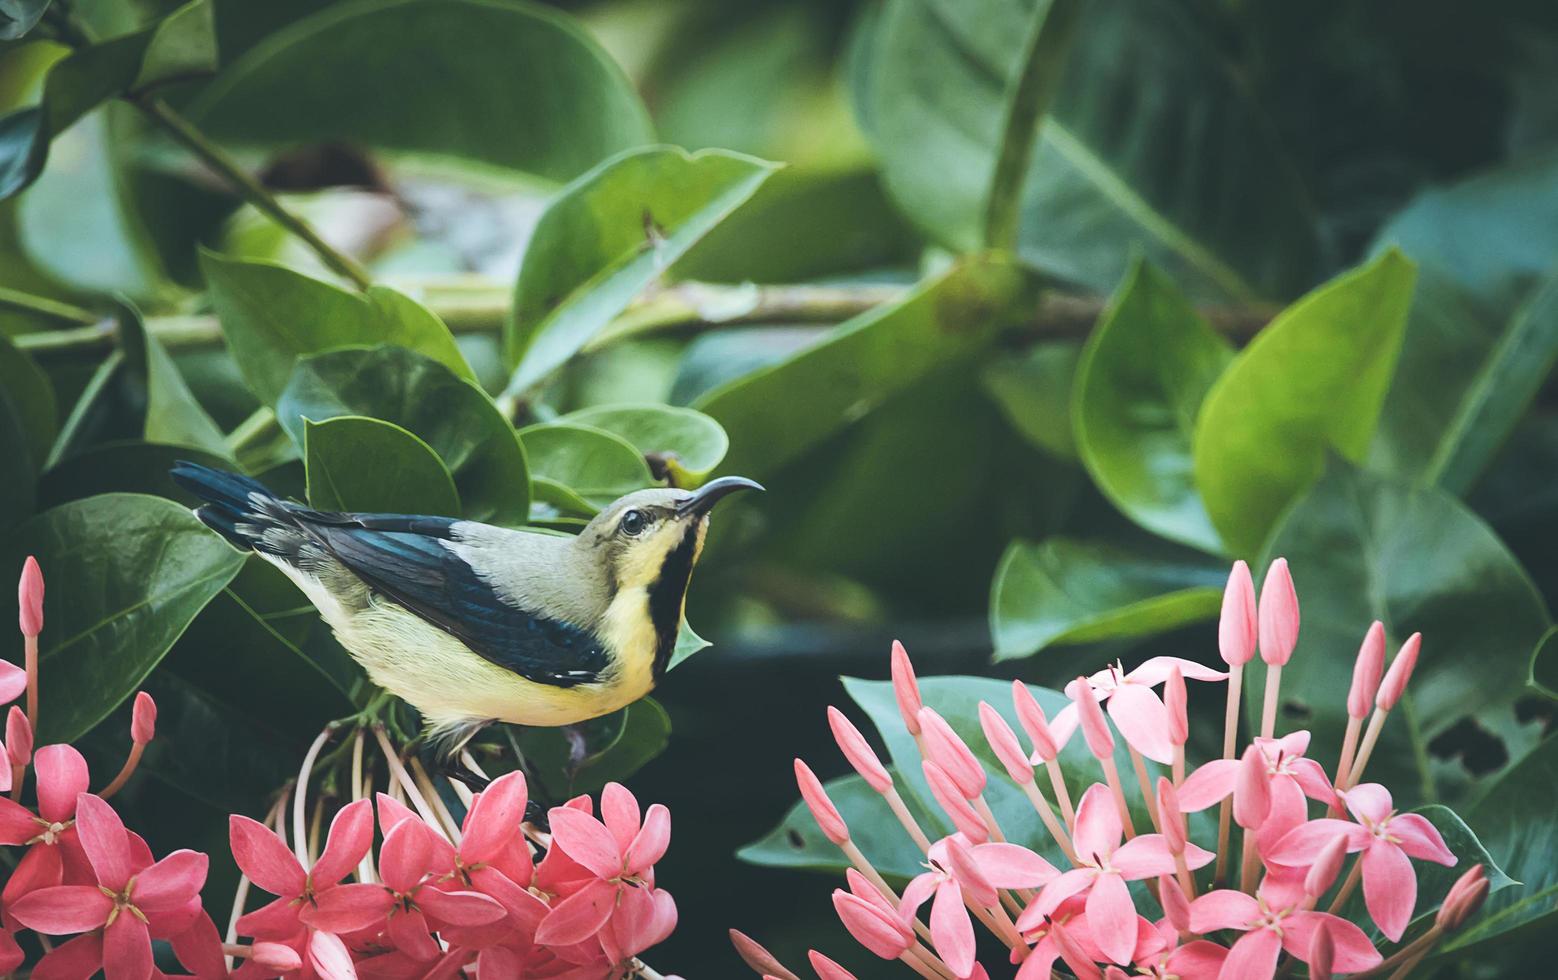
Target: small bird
{"points": [[473, 624]]}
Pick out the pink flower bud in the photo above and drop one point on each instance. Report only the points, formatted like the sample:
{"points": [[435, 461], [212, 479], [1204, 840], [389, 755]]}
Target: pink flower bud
{"points": [[862, 889], [1464, 899], [29, 597], [882, 934], [276, 958], [759, 959], [858, 751], [1328, 864], [1251, 791], [1032, 719], [18, 737], [1236, 629], [906, 689], [950, 752], [1175, 699], [1094, 728], [1176, 907], [143, 720], [1366, 672], [1003, 741], [822, 809], [1278, 615], [1395, 683], [1170, 815], [1322, 952], [826, 968], [946, 792]]}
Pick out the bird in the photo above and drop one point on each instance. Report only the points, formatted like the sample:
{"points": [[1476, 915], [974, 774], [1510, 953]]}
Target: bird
{"points": [[473, 624]]}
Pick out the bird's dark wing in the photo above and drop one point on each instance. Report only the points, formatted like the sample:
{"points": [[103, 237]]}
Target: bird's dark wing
{"points": [[405, 558]]}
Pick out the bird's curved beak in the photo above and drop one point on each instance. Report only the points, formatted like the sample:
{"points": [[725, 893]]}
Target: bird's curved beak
{"points": [[703, 499]]}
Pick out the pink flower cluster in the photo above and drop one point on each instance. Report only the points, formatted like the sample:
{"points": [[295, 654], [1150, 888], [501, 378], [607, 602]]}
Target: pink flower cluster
{"points": [[1298, 826], [442, 899]]}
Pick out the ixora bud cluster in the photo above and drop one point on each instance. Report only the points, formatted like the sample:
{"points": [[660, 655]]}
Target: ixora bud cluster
{"points": [[1272, 894]]}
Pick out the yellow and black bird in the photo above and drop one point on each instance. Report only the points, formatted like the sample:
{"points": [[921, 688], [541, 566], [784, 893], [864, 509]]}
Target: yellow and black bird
{"points": [[471, 623]]}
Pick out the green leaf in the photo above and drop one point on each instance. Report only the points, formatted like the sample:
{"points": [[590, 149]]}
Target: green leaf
{"points": [[1364, 547], [452, 415], [276, 601], [594, 464], [687, 644], [797, 843], [1066, 591], [173, 416], [1311, 381], [122, 467], [18, 491], [606, 237], [850, 371], [1114, 173], [368, 466], [617, 746], [1544, 665], [1135, 415], [17, 17], [127, 574], [1034, 392], [272, 316], [688, 444], [31, 396], [507, 85]]}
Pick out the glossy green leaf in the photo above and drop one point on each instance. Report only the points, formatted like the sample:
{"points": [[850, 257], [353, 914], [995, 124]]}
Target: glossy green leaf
{"points": [[1113, 172], [1066, 591], [1143, 375], [852, 370], [1544, 665], [1364, 547], [122, 467], [127, 574], [1312, 381], [687, 444], [1034, 392], [508, 85], [687, 644], [31, 396], [453, 416], [17, 17], [272, 316], [369, 466], [173, 416], [594, 464], [606, 237]]}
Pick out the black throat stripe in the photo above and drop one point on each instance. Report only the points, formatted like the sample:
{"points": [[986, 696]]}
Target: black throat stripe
{"points": [[666, 594]]}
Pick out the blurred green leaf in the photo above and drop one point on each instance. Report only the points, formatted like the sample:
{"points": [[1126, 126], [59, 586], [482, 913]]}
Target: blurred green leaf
{"points": [[507, 85], [122, 467], [271, 316], [1114, 172], [850, 371], [1135, 415], [18, 489], [369, 466], [453, 416], [127, 574], [31, 397], [1544, 665], [173, 416], [1364, 547], [595, 465], [17, 17], [688, 444], [1034, 392], [607, 236], [1311, 381], [1067, 591], [617, 746]]}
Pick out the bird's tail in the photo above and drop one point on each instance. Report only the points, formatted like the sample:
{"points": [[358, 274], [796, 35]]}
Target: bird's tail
{"points": [[243, 511]]}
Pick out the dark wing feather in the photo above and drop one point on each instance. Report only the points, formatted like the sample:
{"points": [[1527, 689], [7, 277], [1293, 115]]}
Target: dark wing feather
{"points": [[404, 557]]}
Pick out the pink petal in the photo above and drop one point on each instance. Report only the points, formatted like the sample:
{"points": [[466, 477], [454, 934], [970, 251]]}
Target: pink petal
{"points": [[1253, 956], [1064, 725], [516, 900], [496, 815], [1155, 670], [1003, 742], [1369, 802], [1013, 866], [1251, 790], [63, 909], [262, 856], [103, 837], [40, 867], [62, 776], [946, 748], [1395, 683], [405, 856], [1236, 629], [1111, 917], [392, 812], [1098, 830], [619, 810], [1100, 741], [1054, 894], [1352, 950], [1223, 909], [143, 719], [79, 959], [17, 824], [1032, 719], [1389, 888], [1278, 617], [127, 949], [580, 915], [1299, 846], [199, 948], [1176, 908], [459, 908], [1040, 962], [1144, 856], [275, 957], [965, 870], [409, 932], [587, 841], [1420, 839], [968, 822], [18, 736], [276, 920], [920, 888], [1288, 810], [1289, 746], [1311, 778], [1198, 960], [13, 681], [350, 837], [663, 922], [1208, 785], [348, 908], [1282, 887], [881, 934], [951, 931], [11, 955], [171, 882], [652, 841], [329, 957], [827, 969], [29, 598], [1144, 722]]}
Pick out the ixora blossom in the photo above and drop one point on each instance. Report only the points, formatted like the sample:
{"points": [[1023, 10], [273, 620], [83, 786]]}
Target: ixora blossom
{"points": [[486, 896], [1277, 906]]}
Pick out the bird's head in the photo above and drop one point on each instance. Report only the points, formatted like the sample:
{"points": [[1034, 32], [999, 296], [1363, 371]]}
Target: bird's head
{"points": [[652, 538]]}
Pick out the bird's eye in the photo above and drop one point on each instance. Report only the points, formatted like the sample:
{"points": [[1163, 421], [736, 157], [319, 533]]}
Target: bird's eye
{"points": [[633, 522]]}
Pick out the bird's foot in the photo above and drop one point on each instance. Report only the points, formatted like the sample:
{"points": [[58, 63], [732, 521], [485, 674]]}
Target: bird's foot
{"points": [[455, 768]]}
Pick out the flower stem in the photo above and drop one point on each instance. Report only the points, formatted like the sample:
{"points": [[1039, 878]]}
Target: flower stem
{"points": [[300, 801], [1057, 782], [988, 816], [1370, 738], [1249, 863], [404, 781], [1345, 760], [1230, 737], [1112, 775], [451, 825], [30, 658], [125, 771], [1151, 798], [1405, 958], [1349, 884], [910, 825], [1268, 715], [1047, 815]]}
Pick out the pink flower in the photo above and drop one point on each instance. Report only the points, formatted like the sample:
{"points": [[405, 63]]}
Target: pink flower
{"points": [[1106, 866], [1236, 628], [1272, 922], [271, 865], [51, 833], [13, 681], [29, 597], [126, 902], [1160, 955], [1278, 615], [1133, 705], [143, 719], [199, 948], [1387, 839], [1289, 777], [957, 866]]}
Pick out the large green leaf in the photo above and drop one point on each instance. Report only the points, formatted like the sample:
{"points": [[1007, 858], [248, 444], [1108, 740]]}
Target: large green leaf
{"points": [[850, 371], [453, 416], [127, 574], [688, 445], [1544, 665], [31, 396], [495, 82], [1364, 547], [271, 316], [593, 464], [1034, 390], [1311, 381], [606, 237], [367, 465], [1152, 144], [1139, 387], [122, 467], [1066, 591]]}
